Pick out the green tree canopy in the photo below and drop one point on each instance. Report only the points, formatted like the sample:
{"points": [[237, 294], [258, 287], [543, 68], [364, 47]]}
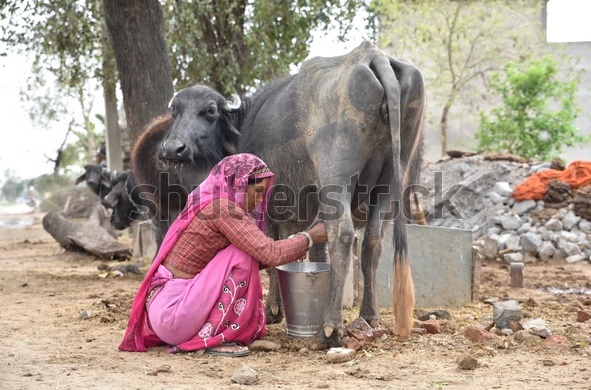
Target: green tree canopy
{"points": [[538, 112], [229, 45], [233, 45], [458, 45]]}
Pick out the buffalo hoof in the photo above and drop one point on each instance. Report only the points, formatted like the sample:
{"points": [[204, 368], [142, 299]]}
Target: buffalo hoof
{"points": [[330, 336], [274, 314], [373, 321], [370, 315]]}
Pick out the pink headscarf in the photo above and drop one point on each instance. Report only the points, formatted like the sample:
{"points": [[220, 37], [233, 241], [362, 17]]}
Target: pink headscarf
{"points": [[228, 179]]}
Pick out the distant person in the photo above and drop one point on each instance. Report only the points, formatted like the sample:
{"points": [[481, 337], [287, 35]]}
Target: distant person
{"points": [[101, 155], [32, 198], [203, 290]]}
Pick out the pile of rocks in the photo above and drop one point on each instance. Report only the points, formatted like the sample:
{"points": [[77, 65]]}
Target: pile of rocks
{"points": [[475, 193]]}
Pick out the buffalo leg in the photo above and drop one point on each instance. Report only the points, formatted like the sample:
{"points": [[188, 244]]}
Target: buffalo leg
{"points": [[340, 250], [371, 251], [273, 304], [341, 233]]}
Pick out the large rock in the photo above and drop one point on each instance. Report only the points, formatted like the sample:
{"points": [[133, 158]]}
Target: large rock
{"points": [[511, 221], [585, 226], [538, 327], [546, 251], [553, 224], [523, 207], [514, 257], [503, 188], [570, 220], [505, 311], [490, 246], [530, 242]]}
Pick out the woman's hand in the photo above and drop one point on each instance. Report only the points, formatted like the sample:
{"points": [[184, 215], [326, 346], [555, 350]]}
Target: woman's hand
{"points": [[318, 233]]}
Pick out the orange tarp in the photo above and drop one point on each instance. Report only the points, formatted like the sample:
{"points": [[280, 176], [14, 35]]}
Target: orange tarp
{"points": [[577, 174]]}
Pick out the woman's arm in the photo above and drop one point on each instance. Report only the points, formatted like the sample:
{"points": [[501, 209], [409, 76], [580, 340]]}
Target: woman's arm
{"points": [[242, 231]]}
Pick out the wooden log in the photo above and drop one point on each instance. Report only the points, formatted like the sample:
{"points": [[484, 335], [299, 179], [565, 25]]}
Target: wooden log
{"points": [[84, 237]]}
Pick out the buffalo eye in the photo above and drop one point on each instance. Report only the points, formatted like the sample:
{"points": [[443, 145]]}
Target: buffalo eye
{"points": [[172, 108], [212, 109]]}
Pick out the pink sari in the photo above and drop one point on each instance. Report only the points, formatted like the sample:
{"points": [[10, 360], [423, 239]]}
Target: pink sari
{"points": [[221, 304]]}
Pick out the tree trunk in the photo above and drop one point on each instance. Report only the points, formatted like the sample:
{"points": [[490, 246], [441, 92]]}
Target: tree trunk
{"points": [[137, 38], [112, 131], [444, 125]]}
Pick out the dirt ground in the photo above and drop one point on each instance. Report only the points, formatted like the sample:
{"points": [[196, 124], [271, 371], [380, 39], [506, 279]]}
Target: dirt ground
{"points": [[46, 345]]}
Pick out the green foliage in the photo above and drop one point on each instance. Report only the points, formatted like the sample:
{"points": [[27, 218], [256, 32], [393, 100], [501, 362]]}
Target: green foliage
{"points": [[233, 45], [51, 183], [63, 36], [458, 45], [64, 40], [13, 188], [230, 45], [537, 117]]}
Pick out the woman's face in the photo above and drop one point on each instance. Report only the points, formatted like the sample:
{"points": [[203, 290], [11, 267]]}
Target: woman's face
{"points": [[255, 194]]}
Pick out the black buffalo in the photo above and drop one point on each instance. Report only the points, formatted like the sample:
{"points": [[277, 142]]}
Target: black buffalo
{"points": [[164, 183], [124, 200], [344, 138], [97, 178]]}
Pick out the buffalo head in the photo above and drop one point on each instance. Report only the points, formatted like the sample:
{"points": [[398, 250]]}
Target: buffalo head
{"points": [[202, 130], [125, 209], [96, 178]]}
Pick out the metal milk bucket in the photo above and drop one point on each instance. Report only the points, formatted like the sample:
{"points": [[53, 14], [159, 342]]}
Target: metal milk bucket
{"points": [[304, 292]]}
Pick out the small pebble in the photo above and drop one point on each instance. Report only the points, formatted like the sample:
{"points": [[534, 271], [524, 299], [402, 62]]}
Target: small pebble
{"points": [[264, 345], [245, 376], [467, 362], [85, 314], [340, 355], [164, 368]]}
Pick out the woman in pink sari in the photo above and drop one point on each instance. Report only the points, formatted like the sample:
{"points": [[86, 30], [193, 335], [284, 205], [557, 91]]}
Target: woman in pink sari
{"points": [[203, 289]]}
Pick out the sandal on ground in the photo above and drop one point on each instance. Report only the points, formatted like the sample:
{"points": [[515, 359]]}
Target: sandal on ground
{"points": [[219, 350]]}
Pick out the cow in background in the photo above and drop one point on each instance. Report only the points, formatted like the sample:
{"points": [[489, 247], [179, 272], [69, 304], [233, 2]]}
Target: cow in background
{"points": [[124, 201], [97, 178], [344, 138]]}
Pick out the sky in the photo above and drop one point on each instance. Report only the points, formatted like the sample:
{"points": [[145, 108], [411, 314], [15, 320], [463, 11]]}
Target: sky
{"points": [[24, 146]]}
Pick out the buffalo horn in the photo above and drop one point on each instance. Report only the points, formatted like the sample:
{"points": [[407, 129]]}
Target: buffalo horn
{"points": [[235, 103]]}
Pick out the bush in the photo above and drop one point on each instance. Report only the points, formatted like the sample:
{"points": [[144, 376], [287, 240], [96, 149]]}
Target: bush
{"points": [[537, 116]]}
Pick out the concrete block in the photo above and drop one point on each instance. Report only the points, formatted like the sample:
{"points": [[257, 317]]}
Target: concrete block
{"points": [[442, 264], [144, 240]]}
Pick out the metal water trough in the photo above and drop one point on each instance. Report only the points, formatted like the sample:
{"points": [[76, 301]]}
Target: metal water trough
{"points": [[444, 270]]}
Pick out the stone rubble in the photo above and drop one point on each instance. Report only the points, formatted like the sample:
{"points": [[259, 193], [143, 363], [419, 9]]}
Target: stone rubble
{"points": [[503, 229]]}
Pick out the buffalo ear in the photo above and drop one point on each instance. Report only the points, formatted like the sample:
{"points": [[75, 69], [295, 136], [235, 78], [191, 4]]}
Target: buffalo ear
{"points": [[81, 178], [105, 181]]}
